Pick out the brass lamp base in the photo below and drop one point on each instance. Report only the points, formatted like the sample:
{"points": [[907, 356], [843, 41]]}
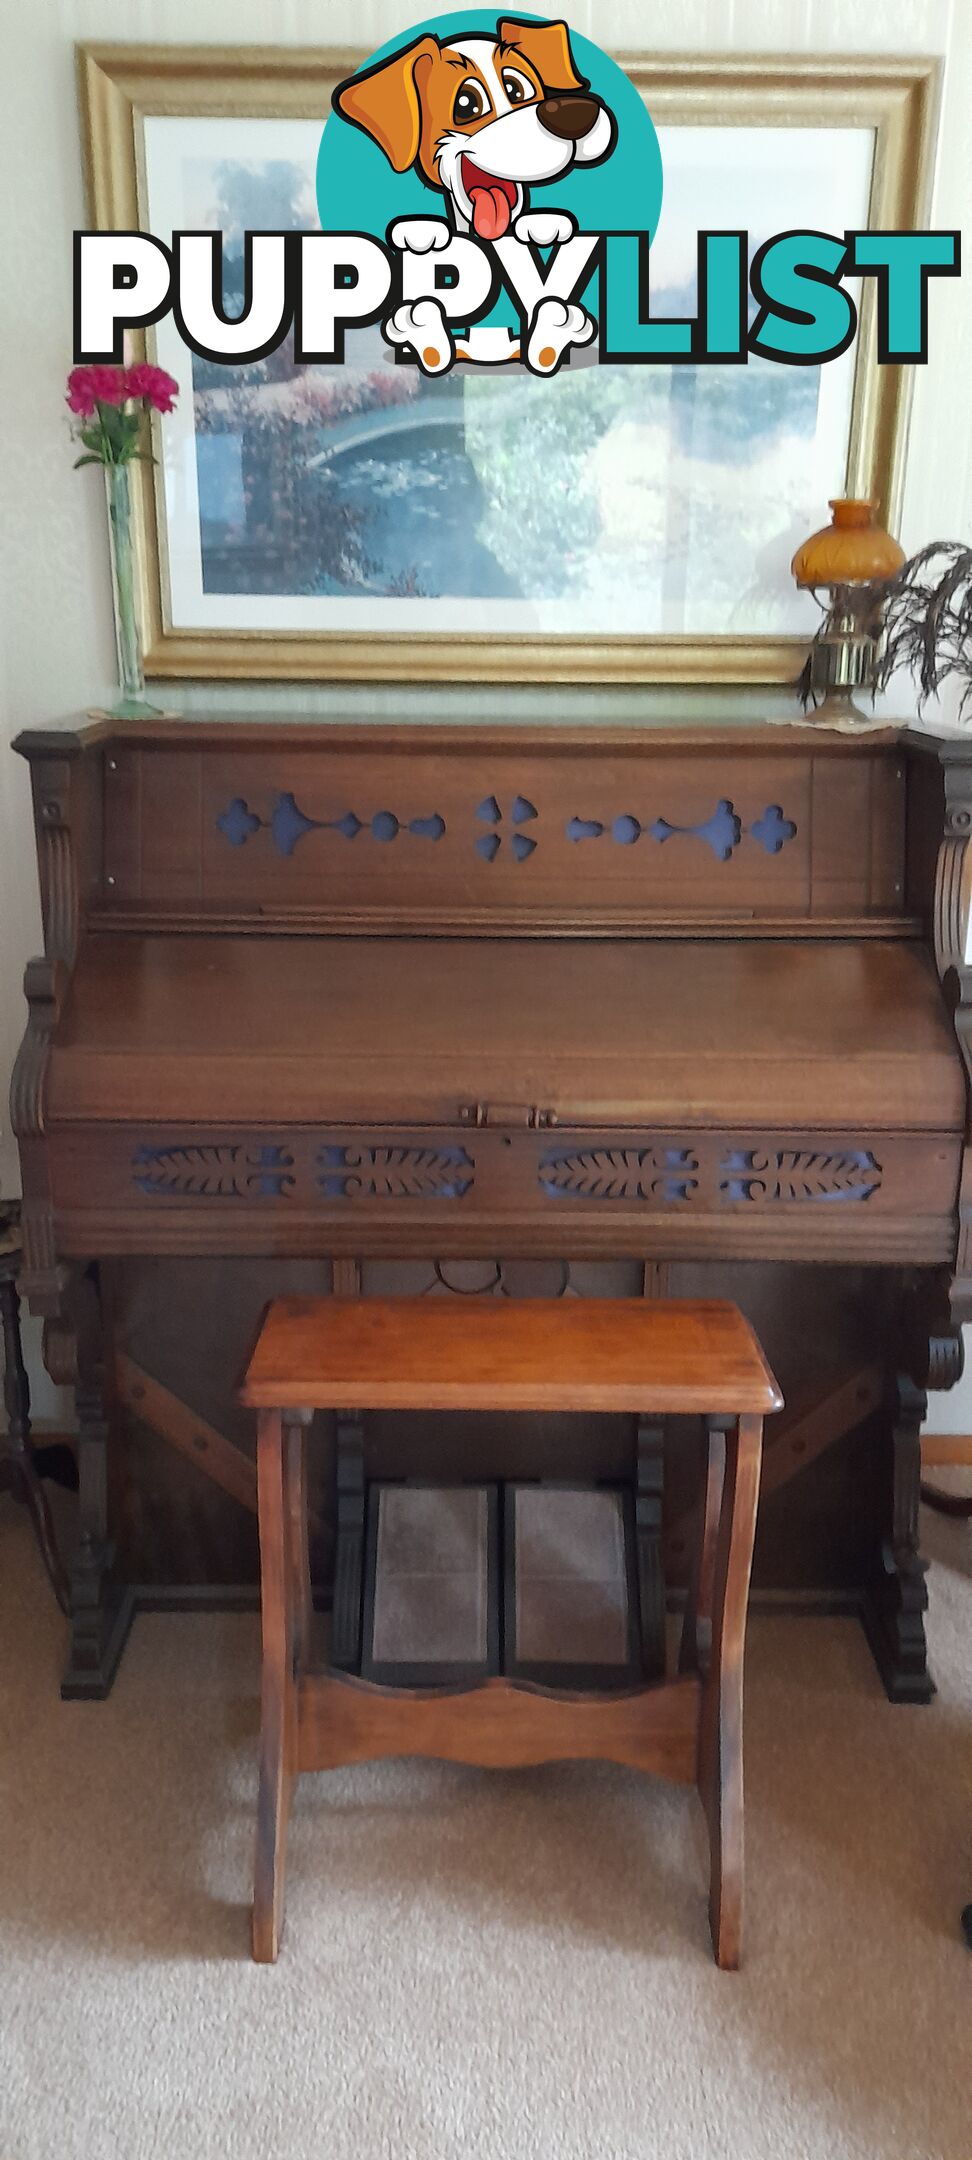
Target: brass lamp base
{"points": [[838, 709], [843, 660]]}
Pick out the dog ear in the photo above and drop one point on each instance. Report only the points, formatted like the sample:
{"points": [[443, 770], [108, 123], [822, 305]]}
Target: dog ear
{"points": [[384, 102], [547, 47]]}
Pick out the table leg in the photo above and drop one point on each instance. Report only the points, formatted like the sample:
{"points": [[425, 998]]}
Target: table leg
{"points": [[696, 1642], [296, 1423], [649, 1500], [278, 1721], [721, 1727]]}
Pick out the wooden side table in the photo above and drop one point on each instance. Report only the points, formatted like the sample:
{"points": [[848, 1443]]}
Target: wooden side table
{"points": [[614, 1355], [20, 1464]]}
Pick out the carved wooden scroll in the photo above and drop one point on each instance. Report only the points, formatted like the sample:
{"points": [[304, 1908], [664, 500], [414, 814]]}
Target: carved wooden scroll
{"points": [[953, 954], [56, 788]]}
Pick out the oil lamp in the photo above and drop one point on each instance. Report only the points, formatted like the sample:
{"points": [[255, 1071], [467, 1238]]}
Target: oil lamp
{"points": [[844, 560]]}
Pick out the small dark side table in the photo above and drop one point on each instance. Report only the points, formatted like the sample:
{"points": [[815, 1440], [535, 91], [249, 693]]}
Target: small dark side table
{"points": [[22, 1467]]}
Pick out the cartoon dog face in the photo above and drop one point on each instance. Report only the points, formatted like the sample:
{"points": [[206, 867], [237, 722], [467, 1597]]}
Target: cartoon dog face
{"points": [[482, 119]]}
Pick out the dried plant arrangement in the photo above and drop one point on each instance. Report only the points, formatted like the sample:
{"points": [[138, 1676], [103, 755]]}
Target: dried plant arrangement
{"points": [[920, 619], [926, 612]]}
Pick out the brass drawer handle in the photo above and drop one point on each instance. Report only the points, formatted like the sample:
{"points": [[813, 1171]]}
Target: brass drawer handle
{"points": [[528, 1116]]}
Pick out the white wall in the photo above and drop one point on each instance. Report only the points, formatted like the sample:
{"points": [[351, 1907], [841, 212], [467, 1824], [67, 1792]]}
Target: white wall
{"points": [[56, 649]]}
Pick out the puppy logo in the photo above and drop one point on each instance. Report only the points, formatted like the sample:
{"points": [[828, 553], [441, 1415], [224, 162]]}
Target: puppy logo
{"points": [[483, 120]]}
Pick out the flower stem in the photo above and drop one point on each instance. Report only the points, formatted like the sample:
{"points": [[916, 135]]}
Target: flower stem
{"points": [[127, 628]]}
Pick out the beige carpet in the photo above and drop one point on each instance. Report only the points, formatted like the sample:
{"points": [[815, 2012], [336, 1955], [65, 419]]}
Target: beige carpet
{"points": [[507, 1966]]}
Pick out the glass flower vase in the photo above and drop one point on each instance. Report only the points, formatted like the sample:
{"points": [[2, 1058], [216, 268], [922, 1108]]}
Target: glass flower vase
{"points": [[132, 703]]}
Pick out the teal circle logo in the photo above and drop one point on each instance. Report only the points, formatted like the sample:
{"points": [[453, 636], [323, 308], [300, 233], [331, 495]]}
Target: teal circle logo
{"points": [[359, 188]]}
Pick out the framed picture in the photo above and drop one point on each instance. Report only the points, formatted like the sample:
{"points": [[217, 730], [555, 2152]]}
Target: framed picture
{"points": [[615, 523]]}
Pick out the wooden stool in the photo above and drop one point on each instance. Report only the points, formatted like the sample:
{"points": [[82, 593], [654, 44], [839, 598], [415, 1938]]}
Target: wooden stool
{"points": [[586, 1354]]}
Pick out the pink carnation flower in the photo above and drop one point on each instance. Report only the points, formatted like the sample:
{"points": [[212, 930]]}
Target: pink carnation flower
{"points": [[153, 384], [80, 396], [91, 386], [109, 385]]}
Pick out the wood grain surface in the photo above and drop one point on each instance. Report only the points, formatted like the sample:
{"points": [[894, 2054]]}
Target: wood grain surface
{"points": [[598, 1031], [503, 1724], [531, 1354]]}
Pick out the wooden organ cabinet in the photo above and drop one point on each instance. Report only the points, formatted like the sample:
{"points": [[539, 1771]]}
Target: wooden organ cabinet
{"points": [[494, 1010]]}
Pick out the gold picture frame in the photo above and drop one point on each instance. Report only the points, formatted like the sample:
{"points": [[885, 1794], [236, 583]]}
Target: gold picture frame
{"points": [[120, 86]]}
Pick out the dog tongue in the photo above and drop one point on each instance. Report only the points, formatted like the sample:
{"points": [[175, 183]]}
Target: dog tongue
{"points": [[491, 212]]}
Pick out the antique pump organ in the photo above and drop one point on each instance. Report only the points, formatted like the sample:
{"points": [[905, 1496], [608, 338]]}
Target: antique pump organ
{"points": [[327, 1006]]}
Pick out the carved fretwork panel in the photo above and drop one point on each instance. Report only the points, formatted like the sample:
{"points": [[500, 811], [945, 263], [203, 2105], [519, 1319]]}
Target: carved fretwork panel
{"points": [[654, 1193], [392, 828], [394, 1173], [659, 1174], [765, 1178], [214, 1170], [747, 1176]]}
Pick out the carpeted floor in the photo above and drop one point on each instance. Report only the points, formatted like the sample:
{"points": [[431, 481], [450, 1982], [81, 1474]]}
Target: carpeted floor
{"points": [[507, 1966]]}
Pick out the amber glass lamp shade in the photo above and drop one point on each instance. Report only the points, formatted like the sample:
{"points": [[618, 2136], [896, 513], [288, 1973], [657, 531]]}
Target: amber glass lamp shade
{"points": [[847, 559], [851, 550]]}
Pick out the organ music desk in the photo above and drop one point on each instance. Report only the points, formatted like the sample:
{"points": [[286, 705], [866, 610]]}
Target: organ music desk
{"points": [[482, 1008]]}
